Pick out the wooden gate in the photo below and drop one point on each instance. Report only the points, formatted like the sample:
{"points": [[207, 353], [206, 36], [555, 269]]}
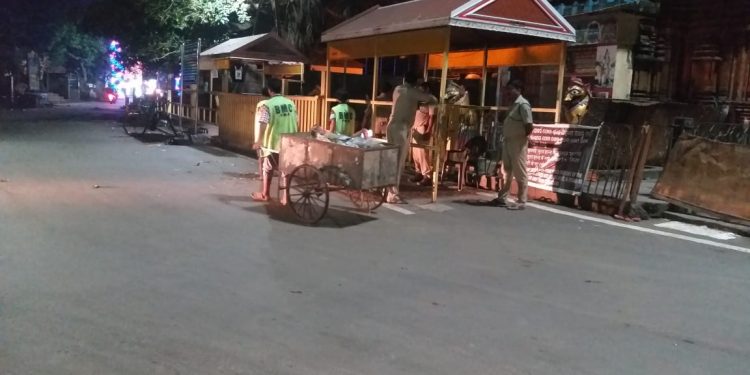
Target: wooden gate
{"points": [[236, 117]]}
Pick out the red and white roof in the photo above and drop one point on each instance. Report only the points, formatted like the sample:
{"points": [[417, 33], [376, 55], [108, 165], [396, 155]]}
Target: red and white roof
{"points": [[535, 18]]}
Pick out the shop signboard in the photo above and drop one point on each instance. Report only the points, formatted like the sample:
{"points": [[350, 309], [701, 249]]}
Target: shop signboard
{"points": [[559, 157]]}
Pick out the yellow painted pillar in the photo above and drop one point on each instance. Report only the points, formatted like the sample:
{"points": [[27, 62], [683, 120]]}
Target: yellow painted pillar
{"points": [[325, 89], [375, 84], [560, 84], [482, 99], [440, 130]]}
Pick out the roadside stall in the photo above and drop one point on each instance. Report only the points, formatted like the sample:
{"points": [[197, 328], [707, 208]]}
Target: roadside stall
{"points": [[451, 34], [235, 72]]}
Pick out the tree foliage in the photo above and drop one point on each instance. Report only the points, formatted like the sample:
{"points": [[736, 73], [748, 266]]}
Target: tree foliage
{"points": [[184, 14], [76, 50], [152, 30], [302, 22]]}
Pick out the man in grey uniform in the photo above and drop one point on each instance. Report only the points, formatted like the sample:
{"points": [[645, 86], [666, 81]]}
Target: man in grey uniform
{"points": [[517, 127], [406, 99]]}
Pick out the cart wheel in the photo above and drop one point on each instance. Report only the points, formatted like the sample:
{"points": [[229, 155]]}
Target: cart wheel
{"points": [[368, 200], [307, 194]]}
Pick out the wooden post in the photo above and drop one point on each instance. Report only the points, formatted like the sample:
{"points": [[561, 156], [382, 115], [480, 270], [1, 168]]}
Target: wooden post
{"points": [[325, 88], [346, 67], [498, 94], [482, 98], [193, 111], [224, 80], [440, 131], [560, 84], [375, 84], [732, 75], [211, 116], [263, 75], [743, 75]]}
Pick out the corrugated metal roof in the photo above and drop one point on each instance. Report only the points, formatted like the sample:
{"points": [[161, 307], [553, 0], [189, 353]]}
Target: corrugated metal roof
{"points": [[265, 47], [525, 17], [232, 45], [411, 15]]}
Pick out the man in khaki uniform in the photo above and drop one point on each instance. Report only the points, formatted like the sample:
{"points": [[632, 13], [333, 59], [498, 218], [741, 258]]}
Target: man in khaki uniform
{"points": [[406, 99], [517, 127]]}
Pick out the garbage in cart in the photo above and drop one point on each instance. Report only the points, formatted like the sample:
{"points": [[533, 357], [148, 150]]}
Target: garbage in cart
{"points": [[358, 140]]}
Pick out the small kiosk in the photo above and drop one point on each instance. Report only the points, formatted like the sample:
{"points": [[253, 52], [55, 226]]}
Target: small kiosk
{"points": [[251, 58], [236, 72], [451, 34]]}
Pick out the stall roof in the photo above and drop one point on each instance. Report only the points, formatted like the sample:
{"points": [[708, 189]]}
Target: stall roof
{"points": [[535, 18], [269, 47]]}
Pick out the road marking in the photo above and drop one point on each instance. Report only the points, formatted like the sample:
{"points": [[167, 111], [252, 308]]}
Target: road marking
{"points": [[435, 207], [633, 227], [398, 209], [641, 229], [700, 230]]}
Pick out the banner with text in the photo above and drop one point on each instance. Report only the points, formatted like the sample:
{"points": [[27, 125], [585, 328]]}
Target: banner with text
{"points": [[559, 157]]}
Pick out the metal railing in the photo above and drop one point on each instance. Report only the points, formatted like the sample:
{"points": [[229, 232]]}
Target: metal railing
{"points": [[617, 165], [723, 132], [189, 112], [617, 168]]}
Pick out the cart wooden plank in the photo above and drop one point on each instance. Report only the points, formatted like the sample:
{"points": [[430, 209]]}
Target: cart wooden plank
{"points": [[364, 168]]}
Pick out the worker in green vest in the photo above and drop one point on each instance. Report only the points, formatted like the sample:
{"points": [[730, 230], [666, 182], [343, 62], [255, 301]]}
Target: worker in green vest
{"points": [[278, 116], [343, 117]]}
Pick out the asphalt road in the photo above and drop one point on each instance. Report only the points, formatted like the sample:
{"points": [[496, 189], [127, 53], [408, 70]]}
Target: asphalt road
{"points": [[167, 267]]}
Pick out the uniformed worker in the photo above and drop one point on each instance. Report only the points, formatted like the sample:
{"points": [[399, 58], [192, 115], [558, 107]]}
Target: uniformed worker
{"points": [[343, 117], [278, 116], [406, 99], [517, 128]]}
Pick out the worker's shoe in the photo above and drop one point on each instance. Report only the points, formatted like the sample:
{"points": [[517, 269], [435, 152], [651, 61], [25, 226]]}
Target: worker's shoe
{"points": [[517, 206], [417, 178], [426, 181], [498, 202]]}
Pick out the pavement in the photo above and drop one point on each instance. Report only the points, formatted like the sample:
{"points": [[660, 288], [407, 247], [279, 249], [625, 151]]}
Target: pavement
{"points": [[127, 256]]}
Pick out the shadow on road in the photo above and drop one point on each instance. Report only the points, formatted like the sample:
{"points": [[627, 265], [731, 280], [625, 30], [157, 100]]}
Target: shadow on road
{"points": [[474, 202], [214, 151], [335, 218], [151, 137], [249, 176]]}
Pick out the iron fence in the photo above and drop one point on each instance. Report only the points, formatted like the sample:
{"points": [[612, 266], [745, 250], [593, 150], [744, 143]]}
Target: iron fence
{"points": [[723, 132]]}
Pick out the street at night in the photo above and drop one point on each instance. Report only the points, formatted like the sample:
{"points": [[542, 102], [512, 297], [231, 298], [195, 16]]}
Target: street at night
{"points": [[374, 187], [126, 257]]}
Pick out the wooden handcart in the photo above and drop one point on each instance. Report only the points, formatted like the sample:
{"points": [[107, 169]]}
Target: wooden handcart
{"points": [[314, 168]]}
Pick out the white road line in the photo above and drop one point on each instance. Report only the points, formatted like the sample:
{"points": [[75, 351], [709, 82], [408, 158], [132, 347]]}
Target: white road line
{"points": [[640, 229], [632, 227], [699, 230], [398, 209]]}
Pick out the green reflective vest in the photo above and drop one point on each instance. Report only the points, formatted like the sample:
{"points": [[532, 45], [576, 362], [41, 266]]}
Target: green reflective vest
{"points": [[282, 119], [344, 116]]}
